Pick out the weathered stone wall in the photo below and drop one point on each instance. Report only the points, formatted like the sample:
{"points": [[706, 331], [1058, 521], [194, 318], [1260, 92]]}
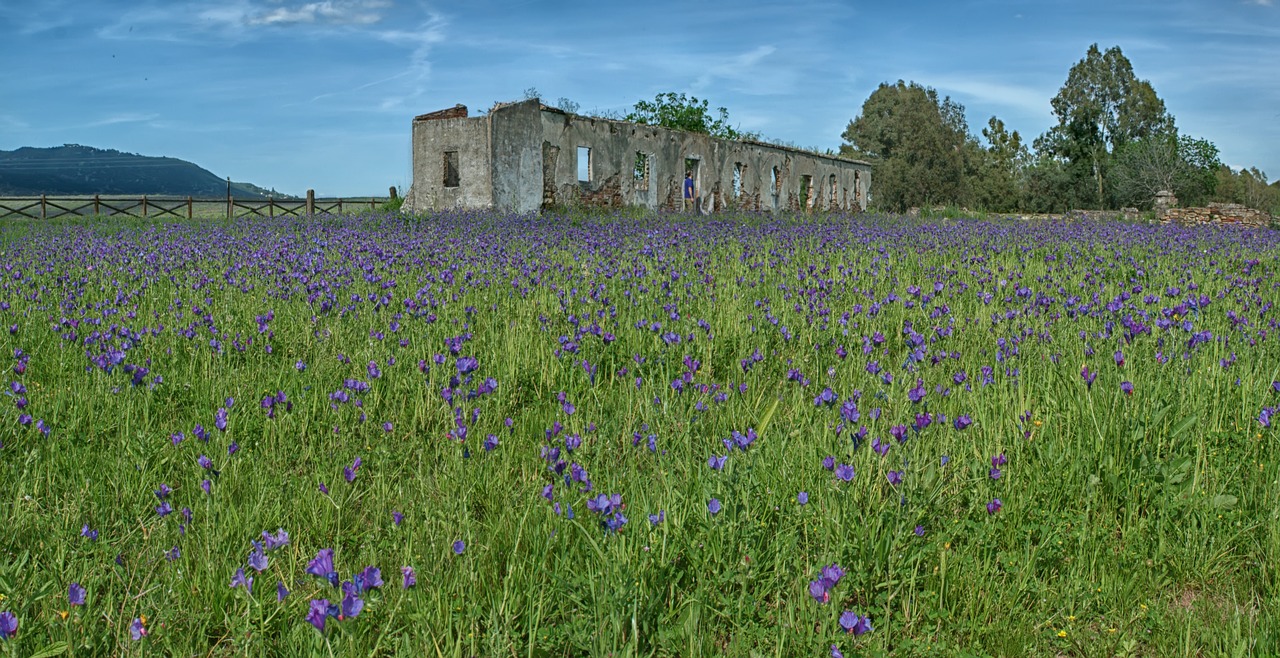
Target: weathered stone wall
{"points": [[440, 132], [1219, 213], [531, 155]]}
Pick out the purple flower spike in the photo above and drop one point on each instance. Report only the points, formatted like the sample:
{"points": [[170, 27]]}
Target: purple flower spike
{"points": [[845, 472], [220, 419], [994, 506], [895, 477], [75, 594], [279, 539], [281, 592], [370, 578], [137, 630], [350, 472], [713, 506], [258, 559], [459, 546], [8, 625], [855, 624], [318, 613], [803, 497], [240, 580], [962, 422], [351, 606], [322, 566], [818, 590], [397, 518], [410, 578], [835, 651], [89, 533]]}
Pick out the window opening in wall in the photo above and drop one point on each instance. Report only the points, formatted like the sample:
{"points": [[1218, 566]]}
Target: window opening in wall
{"points": [[775, 181], [738, 168], [584, 164], [451, 169], [835, 196], [806, 190], [642, 171]]}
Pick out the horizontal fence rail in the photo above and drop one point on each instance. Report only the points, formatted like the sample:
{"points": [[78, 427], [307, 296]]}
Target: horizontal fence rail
{"points": [[146, 206]]}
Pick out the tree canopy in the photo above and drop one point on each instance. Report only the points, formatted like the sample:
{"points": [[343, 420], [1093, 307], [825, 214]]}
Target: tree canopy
{"points": [[917, 142], [1102, 107], [680, 112]]}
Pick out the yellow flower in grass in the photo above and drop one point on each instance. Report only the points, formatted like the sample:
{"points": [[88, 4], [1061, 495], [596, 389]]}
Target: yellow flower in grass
{"points": [[1062, 634]]}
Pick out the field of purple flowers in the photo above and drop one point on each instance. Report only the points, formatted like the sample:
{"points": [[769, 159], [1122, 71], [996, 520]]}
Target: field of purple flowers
{"points": [[475, 434]]}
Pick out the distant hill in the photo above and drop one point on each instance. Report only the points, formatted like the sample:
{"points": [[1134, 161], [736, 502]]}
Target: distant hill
{"points": [[75, 170]]}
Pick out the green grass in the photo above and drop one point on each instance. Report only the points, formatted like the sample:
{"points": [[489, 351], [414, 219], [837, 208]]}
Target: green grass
{"points": [[1141, 525]]}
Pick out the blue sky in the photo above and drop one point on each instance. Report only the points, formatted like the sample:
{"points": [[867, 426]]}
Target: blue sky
{"points": [[299, 94]]}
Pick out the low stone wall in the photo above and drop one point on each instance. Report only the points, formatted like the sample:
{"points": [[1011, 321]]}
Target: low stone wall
{"points": [[1219, 213]]}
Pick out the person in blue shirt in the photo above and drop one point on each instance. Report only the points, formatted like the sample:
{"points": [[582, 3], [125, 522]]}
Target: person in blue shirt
{"points": [[690, 190]]}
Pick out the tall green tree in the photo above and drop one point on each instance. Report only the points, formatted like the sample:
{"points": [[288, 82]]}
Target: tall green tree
{"points": [[997, 182], [916, 142], [1102, 107], [680, 112]]}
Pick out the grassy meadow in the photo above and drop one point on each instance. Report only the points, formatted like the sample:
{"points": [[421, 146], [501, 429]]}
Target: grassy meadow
{"points": [[476, 434]]}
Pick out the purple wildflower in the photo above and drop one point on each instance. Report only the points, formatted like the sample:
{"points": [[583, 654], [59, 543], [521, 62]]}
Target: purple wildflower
{"points": [[459, 546], [713, 506], [803, 497], [322, 566], [8, 625], [845, 472], [410, 578], [137, 630], [318, 613], [994, 506], [75, 594], [281, 592], [855, 624], [240, 580]]}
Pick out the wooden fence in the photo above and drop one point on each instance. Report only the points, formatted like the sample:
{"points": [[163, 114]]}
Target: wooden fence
{"points": [[49, 207]]}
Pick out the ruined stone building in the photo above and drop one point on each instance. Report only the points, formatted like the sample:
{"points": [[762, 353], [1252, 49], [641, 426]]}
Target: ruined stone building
{"points": [[526, 156]]}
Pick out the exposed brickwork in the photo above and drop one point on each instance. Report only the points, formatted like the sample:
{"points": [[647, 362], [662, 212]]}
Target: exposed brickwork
{"points": [[608, 195], [1219, 213], [458, 111]]}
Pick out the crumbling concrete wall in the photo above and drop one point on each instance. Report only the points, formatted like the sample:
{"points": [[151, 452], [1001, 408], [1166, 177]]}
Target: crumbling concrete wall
{"points": [[535, 152], [436, 135]]}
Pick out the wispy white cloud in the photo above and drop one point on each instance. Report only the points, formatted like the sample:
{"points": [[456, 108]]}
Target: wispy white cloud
{"points": [[420, 42], [1031, 100], [123, 117], [1260, 3], [331, 12]]}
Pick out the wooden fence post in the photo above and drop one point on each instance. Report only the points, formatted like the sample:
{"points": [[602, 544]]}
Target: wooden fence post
{"points": [[42, 211], [229, 206], [311, 202], [271, 207], [394, 194], [144, 206], [96, 211], [339, 205], [189, 204]]}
